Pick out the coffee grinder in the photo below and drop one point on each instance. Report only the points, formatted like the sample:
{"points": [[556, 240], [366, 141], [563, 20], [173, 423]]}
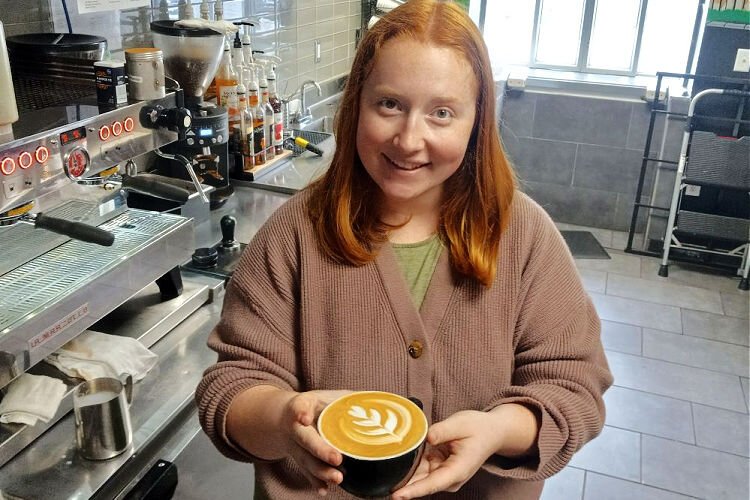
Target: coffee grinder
{"points": [[191, 57]]}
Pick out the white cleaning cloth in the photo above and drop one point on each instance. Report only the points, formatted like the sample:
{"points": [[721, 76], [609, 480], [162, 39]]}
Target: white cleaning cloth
{"points": [[221, 26], [31, 398], [93, 354]]}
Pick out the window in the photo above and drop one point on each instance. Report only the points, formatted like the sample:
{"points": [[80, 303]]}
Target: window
{"points": [[624, 37]]}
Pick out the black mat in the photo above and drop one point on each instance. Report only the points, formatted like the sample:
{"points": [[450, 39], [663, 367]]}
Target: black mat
{"points": [[583, 245]]}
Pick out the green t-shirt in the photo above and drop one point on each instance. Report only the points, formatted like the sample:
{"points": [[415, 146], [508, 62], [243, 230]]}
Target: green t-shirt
{"points": [[418, 261]]}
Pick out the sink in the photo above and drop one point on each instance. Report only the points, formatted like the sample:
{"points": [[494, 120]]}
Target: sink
{"points": [[322, 124]]}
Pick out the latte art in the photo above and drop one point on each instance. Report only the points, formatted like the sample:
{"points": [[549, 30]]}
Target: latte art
{"points": [[373, 425], [368, 427]]}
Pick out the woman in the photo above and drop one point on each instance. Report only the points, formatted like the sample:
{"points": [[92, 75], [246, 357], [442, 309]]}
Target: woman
{"points": [[412, 267]]}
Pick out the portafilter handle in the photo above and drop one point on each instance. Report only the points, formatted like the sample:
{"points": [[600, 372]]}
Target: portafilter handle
{"points": [[188, 167], [75, 230]]}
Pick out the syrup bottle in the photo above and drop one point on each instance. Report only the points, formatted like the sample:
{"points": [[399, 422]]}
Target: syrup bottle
{"points": [[226, 84]]}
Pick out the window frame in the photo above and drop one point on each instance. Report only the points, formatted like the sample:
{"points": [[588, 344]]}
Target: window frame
{"points": [[587, 25]]}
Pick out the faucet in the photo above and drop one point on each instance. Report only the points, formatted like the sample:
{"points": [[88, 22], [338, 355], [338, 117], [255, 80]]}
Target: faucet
{"points": [[304, 115]]}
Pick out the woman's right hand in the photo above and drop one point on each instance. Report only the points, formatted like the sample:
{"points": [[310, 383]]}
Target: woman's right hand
{"points": [[316, 458]]}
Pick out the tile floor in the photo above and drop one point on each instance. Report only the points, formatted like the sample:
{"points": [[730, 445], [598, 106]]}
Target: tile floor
{"points": [[677, 416]]}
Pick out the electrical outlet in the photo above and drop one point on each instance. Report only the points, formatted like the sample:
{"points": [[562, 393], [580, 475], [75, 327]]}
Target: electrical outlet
{"points": [[692, 190], [742, 61]]}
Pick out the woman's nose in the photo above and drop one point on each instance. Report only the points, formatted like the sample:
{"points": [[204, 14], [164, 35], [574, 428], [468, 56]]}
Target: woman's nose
{"points": [[410, 136]]}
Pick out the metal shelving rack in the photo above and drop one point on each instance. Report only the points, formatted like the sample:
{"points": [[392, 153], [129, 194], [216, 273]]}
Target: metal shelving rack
{"points": [[706, 161]]}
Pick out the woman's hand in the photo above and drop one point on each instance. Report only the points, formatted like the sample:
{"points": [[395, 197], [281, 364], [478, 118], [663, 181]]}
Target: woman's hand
{"points": [[457, 448], [315, 457], [459, 445], [271, 423]]}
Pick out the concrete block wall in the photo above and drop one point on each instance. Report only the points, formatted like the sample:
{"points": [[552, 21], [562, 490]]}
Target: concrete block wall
{"points": [[579, 156]]}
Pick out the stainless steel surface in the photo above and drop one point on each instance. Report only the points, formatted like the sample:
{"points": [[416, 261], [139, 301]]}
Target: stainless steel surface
{"points": [[68, 136], [51, 299], [251, 207], [52, 467], [293, 175], [101, 410]]}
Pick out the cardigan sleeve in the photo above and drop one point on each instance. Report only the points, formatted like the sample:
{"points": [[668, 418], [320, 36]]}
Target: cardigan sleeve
{"points": [[254, 338], [560, 369]]}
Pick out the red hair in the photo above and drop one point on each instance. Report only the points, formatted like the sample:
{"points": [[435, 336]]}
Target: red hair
{"points": [[476, 205]]}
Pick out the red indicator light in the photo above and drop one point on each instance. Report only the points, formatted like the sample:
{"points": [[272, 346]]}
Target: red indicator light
{"points": [[25, 160], [42, 154], [8, 166]]}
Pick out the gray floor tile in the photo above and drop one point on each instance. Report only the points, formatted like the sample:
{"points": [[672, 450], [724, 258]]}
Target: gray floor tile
{"points": [[565, 485], [736, 304], [620, 240], [620, 263], [616, 452], [722, 430], [746, 389], [621, 337], [650, 414], [599, 487], [593, 281], [636, 312], [689, 275], [695, 471], [696, 351], [715, 327], [671, 294], [677, 381]]}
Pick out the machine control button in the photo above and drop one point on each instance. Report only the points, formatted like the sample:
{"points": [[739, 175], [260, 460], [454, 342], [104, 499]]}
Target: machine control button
{"points": [[116, 129], [213, 140], [128, 124], [201, 141], [220, 138], [105, 132], [8, 166], [25, 160], [76, 163], [190, 141], [41, 154]]}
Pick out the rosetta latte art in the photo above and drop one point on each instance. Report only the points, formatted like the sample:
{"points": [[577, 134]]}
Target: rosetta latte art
{"points": [[369, 427], [372, 425]]}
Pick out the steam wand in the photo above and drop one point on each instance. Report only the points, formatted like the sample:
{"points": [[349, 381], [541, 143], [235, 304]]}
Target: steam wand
{"points": [[189, 167]]}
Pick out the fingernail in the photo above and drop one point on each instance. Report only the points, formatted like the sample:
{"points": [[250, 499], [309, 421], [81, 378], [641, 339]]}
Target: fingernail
{"points": [[322, 491]]}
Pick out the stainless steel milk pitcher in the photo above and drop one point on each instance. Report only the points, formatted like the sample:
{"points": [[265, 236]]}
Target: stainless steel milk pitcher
{"points": [[102, 417]]}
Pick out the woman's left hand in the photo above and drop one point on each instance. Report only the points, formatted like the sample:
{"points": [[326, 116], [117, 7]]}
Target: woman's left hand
{"points": [[457, 448]]}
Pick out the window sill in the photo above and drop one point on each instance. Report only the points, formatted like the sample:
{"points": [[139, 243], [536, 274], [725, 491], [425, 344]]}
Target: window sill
{"points": [[585, 84]]}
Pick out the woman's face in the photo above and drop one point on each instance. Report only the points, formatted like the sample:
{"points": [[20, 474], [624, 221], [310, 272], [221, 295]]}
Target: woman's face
{"points": [[417, 112]]}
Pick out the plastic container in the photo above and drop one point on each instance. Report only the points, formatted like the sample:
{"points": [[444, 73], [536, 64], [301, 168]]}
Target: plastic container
{"points": [[145, 73], [8, 109]]}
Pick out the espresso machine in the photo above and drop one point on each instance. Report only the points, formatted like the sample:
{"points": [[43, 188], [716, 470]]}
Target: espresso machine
{"points": [[191, 57], [76, 256]]}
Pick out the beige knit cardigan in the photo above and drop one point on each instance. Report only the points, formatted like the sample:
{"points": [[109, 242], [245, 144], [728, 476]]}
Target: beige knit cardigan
{"points": [[294, 319]]}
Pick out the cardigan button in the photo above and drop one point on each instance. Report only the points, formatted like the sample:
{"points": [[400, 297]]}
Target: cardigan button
{"points": [[415, 349]]}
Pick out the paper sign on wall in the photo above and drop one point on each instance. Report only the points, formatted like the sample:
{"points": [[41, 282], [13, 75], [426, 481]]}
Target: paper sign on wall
{"points": [[86, 6]]}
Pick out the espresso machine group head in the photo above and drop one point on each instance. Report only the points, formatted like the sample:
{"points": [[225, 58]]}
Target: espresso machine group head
{"points": [[191, 57]]}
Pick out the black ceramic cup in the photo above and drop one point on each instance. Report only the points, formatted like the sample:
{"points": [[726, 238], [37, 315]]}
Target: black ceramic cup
{"points": [[368, 477]]}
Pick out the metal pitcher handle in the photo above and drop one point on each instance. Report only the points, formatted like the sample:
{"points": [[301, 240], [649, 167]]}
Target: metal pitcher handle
{"points": [[127, 383]]}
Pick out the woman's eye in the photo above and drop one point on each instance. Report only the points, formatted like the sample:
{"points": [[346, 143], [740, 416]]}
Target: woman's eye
{"points": [[388, 104], [443, 114]]}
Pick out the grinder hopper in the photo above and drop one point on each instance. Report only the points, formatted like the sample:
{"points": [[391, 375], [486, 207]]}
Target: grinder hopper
{"points": [[191, 56]]}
